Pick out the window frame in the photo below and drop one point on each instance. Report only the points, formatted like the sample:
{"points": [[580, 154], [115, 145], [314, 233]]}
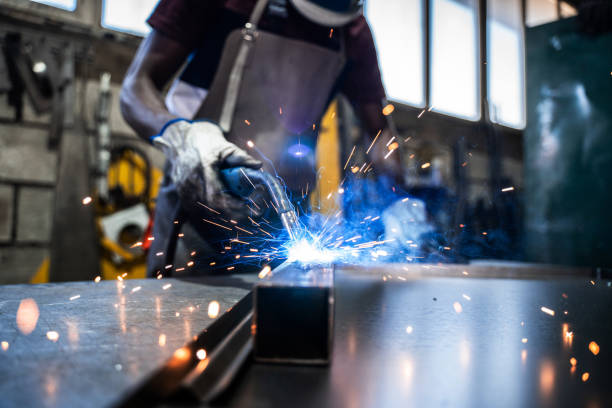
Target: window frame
{"points": [[482, 74]]}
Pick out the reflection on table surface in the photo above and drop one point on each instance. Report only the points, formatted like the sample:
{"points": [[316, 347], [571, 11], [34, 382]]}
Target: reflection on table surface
{"points": [[451, 342], [87, 343]]}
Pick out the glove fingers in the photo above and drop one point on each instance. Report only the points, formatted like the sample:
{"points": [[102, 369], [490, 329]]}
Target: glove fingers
{"points": [[218, 198], [237, 157]]}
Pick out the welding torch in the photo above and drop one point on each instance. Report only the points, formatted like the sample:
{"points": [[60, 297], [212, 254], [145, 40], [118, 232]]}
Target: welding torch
{"points": [[242, 181]]}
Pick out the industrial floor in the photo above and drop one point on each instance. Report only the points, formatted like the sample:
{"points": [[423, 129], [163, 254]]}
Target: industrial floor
{"points": [[405, 335]]}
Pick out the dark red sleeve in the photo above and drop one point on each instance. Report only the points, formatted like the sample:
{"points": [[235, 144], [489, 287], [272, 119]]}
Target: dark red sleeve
{"points": [[362, 83], [184, 21]]}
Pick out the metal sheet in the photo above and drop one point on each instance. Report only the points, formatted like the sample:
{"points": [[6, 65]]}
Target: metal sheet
{"points": [[111, 337], [421, 342]]}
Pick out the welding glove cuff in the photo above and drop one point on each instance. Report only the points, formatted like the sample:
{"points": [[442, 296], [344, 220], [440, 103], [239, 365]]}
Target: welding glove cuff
{"points": [[196, 152]]}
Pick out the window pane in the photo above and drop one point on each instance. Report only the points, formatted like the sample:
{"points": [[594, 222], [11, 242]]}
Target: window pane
{"points": [[541, 12], [127, 15], [69, 5], [454, 70], [505, 63], [397, 26]]}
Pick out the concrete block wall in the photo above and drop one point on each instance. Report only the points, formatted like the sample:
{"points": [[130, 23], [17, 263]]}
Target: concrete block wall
{"points": [[27, 181], [28, 173]]}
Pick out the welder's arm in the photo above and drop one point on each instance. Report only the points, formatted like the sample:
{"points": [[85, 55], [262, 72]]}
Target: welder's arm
{"points": [[197, 150], [157, 60]]}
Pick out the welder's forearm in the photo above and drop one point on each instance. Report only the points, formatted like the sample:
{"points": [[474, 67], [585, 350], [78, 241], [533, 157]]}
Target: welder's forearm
{"points": [[157, 60], [142, 106]]}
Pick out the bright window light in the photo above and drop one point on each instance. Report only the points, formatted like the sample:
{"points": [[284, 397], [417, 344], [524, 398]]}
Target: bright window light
{"points": [[397, 26], [505, 67], [454, 72], [69, 5], [128, 16]]}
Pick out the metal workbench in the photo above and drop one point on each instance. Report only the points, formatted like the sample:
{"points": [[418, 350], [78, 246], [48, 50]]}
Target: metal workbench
{"points": [[405, 336]]}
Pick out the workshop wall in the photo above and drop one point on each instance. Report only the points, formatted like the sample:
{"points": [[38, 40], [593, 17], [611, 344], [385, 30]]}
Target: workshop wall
{"points": [[28, 175]]}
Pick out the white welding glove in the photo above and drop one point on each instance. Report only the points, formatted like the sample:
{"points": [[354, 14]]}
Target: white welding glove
{"points": [[197, 151]]}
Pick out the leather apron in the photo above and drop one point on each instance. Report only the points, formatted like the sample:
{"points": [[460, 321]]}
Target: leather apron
{"points": [[268, 89]]}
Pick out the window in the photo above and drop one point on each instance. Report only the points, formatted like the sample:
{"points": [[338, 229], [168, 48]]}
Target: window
{"points": [[505, 63], [545, 11], [397, 26], [454, 68], [69, 5], [127, 16]]}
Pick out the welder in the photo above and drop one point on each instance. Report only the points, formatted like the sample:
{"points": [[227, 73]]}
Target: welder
{"points": [[252, 80]]}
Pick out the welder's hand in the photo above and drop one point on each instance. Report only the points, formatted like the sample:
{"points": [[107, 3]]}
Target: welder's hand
{"points": [[197, 151]]}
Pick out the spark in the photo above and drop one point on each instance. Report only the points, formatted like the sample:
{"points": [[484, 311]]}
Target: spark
{"points": [[53, 336], [243, 230], [5, 345], [594, 348], [190, 263], [201, 354], [247, 122], [421, 114], [167, 286], [182, 354], [213, 309], [388, 154], [75, 297], [524, 340], [161, 340], [373, 141], [349, 158], [208, 208], [137, 244], [547, 311], [388, 109], [409, 329], [507, 189], [27, 316], [306, 252], [573, 361], [466, 297], [97, 279], [264, 272], [87, 200], [425, 165], [458, 308], [585, 376], [218, 225], [331, 33]]}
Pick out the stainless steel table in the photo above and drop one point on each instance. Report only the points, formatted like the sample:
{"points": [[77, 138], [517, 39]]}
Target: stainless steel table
{"points": [[450, 342], [112, 336], [405, 336]]}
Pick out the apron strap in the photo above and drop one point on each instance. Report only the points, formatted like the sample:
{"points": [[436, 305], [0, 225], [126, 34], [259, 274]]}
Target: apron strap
{"points": [[235, 78]]}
